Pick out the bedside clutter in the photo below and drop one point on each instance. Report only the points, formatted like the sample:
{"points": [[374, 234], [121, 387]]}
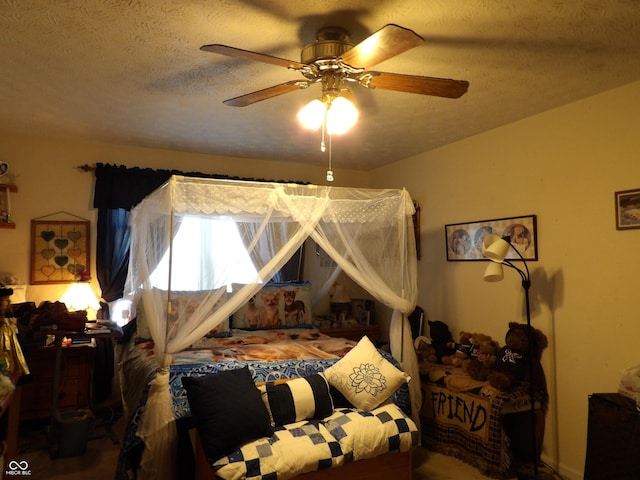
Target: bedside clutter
{"points": [[354, 333], [353, 323]]}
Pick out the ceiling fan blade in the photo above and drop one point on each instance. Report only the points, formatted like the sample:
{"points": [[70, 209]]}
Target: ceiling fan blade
{"points": [[387, 42], [439, 87], [266, 93], [249, 55]]}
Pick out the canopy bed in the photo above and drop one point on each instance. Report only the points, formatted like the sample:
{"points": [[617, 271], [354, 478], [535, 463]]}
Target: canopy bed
{"points": [[368, 233]]}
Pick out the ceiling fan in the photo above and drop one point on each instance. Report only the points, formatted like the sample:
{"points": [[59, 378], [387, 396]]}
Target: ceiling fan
{"points": [[335, 63]]}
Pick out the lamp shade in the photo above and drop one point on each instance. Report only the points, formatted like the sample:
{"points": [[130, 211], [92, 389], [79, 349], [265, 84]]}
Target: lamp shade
{"points": [[340, 295], [79, 296], [495, 248], [494, 272]]}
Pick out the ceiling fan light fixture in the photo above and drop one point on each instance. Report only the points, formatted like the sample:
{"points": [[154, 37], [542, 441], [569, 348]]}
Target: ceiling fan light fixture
{"points": [[312, 114], [341, 116], [337, 114]]}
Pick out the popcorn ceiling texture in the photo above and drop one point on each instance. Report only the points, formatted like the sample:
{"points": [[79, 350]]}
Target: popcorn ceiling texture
{"points": [[131, 72]]}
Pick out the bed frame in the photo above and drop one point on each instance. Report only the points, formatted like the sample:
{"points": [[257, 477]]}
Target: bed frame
{"points": [[398, 466]]}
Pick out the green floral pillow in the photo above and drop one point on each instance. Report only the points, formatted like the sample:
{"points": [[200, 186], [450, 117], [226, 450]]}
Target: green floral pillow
{"points": [[365, 377]]}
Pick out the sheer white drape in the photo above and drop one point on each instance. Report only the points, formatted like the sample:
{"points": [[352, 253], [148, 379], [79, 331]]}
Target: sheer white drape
{"points": [[368, 233]]}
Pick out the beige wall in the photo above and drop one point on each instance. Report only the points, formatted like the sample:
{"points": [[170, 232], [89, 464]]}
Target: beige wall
{"points": [[49, 182], [564, 166]]}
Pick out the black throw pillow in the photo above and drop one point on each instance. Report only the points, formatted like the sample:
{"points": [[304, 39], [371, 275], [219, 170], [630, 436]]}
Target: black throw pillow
{"points": [[304, 398], [228, 410]]}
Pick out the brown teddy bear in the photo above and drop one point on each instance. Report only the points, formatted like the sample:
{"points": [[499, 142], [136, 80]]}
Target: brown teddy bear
{"points": [[425, 351], [523, 348], [461, 350], [482, 358]]}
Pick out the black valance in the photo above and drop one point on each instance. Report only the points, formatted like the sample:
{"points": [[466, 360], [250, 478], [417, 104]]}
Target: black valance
{"points": [[124, 187]]}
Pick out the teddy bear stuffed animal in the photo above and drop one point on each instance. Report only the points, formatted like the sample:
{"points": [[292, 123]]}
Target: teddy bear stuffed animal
{"points": [[523, 349], [462, 350], [479, 365], [424, 350], [440, 339]]}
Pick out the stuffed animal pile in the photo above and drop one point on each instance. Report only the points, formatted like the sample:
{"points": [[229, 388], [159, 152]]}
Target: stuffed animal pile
{"points": [[505, 368]]}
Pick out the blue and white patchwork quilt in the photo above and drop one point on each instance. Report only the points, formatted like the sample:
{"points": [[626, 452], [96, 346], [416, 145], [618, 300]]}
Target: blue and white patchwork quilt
{"points": [[346, 436]]}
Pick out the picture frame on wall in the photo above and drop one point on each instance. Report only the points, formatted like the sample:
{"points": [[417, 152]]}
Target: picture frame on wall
{"points": [[60, 251], [627, 209], [464, 240]]}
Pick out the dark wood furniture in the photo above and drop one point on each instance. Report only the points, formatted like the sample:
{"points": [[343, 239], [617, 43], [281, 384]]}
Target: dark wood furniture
{"points": [[9, 420], [613, 438], [354, 333], [74, 390]]}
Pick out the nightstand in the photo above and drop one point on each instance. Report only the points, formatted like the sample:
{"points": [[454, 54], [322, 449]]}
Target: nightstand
{"points": [[75, 379], [354, 333]]}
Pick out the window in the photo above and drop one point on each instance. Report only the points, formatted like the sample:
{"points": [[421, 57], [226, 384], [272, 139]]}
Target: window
{"points": [[207, 254]]}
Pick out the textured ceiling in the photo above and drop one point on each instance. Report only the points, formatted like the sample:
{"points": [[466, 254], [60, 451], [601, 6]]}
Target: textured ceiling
{"points": [[131, 72]]}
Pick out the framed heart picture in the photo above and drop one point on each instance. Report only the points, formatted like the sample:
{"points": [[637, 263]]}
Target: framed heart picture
{"points": [[59, 251]]}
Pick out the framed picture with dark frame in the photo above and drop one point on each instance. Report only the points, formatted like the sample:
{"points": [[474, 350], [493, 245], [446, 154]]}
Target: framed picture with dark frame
{"points": [[464, 240], [628, 209], [59, 251]]}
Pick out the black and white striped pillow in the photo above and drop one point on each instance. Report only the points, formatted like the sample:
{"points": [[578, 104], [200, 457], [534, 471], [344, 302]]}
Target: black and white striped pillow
{"points": [[303, 398]]}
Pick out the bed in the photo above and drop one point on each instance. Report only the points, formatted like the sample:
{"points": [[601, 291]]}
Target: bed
{"points": [[272, 357], [367, 234]]}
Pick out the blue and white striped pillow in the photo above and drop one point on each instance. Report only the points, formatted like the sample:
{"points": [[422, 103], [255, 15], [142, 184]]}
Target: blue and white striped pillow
{"points": [[303, 398]]}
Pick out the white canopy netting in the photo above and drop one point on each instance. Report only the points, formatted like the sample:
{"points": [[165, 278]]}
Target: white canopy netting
{"points": [[231, 237]]}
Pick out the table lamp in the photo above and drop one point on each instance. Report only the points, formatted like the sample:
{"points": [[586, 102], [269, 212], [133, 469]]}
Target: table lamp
{"points": [[80, 296], [340, 302]]}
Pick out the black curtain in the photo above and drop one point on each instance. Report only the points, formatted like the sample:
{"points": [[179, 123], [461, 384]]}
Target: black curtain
{"points": [[112, 258], [117, 190]]}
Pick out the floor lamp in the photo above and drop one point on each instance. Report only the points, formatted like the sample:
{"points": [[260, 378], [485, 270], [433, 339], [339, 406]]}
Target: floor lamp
{"points": [[496, 249]]}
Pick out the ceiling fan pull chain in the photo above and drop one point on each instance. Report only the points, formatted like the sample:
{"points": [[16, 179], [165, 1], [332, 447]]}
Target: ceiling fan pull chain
{"points": [[324, 123], [330, 170]]}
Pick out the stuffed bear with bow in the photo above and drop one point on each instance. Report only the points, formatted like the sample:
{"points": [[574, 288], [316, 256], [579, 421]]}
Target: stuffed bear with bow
{"points": [[523, 349]]}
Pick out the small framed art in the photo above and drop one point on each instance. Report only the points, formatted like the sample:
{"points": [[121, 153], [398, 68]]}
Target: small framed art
{"points": [[464, 240], [59, 251], [628, 209]]}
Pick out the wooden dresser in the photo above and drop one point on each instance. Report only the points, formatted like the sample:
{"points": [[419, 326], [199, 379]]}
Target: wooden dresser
{"points": [[75, 380]]}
